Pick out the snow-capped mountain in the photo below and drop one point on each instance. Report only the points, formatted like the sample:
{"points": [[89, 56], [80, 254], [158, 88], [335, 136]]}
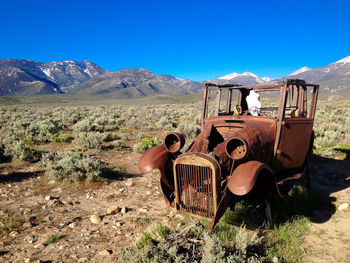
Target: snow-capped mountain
{"points": [[334, 71], [301, 70], [246, 78], [26, 77], [332, 78]]}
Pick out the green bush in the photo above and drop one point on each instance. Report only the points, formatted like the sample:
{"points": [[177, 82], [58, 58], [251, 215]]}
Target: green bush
{"points": [[108, 137], [72, 167], [192, 244], [117, 144], [88, 140], [189, 130], [146, 143], [52, 238], [62, 138], [21, 151]]}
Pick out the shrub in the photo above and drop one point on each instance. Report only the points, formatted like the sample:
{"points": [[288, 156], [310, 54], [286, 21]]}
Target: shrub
{"points": [[52, 238], [43, 130], [140, 135], [3, 157], [88, 140], [161, 244], [117, 144], [72, 167], [19, 150], [108, 137], [84, 125], [62, 138], [146, 143], [189, 130]]}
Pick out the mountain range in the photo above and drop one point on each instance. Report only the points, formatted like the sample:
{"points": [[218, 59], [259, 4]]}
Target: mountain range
{"points": [[26, 77]]}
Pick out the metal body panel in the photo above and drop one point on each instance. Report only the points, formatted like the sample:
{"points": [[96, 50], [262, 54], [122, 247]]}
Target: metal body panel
{"points": [[294, 143]]}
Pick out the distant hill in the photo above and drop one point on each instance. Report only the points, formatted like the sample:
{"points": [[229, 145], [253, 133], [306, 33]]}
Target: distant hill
{"points": [[128, 83], [25, 77], [334, 78]]}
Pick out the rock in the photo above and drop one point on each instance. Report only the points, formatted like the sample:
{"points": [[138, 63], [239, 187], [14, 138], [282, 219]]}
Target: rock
{"points": [[48, 197], [124, 210], [148, 192], [91, 195], [51, 182], [27, 225], [343, 206], [129, 183], [105, 253], [275, 259], [72, 225], [27, 211], [122, 190], [26, 260], [113, 210], [57, 190], [30, 239], [54, 202], [49, 218], [13, 234], [119, 224], [95, 219], [143, 210], [39, 246]]}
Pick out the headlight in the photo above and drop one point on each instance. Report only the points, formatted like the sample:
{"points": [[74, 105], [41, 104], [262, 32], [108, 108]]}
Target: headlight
{"points": [[174, 142], [236, 148]]}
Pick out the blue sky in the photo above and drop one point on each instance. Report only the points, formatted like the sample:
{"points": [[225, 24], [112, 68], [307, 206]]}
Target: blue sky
{"points": [[188, 39]]}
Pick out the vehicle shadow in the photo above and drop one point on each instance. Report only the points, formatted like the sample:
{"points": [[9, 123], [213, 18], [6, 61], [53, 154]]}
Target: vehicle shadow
{"points": [[328, 176]]}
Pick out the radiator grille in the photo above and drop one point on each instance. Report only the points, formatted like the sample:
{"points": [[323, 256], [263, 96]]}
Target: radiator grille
{"points": [[195, 189]]}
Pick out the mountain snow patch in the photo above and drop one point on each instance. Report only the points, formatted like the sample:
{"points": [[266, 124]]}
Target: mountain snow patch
{"points": [[344, 60], [301, 70]]}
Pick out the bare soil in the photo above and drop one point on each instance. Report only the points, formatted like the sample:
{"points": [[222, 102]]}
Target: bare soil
{"points": [[23, 191], [329, 240]]}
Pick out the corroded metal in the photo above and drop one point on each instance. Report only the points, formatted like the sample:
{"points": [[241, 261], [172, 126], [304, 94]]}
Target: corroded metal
{"points": [[238, 154], [197, 179]]}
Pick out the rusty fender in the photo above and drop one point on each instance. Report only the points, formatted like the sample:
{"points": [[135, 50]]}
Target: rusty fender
{"points": [[161, 157], [242, 182], [244, 177]]}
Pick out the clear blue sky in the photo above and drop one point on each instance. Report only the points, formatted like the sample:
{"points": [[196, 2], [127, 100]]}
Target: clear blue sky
{"points": [[188, 39]]}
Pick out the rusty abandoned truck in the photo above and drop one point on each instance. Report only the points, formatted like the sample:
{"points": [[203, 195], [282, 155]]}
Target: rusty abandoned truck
{"points": [[247, 148]]}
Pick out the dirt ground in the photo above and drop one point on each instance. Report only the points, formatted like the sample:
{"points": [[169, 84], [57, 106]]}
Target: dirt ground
{"points": [[48, 207], [329, 240]]}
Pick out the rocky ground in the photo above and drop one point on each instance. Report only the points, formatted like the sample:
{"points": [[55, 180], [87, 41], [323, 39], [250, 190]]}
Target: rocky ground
{"points": [[92, 222]]}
